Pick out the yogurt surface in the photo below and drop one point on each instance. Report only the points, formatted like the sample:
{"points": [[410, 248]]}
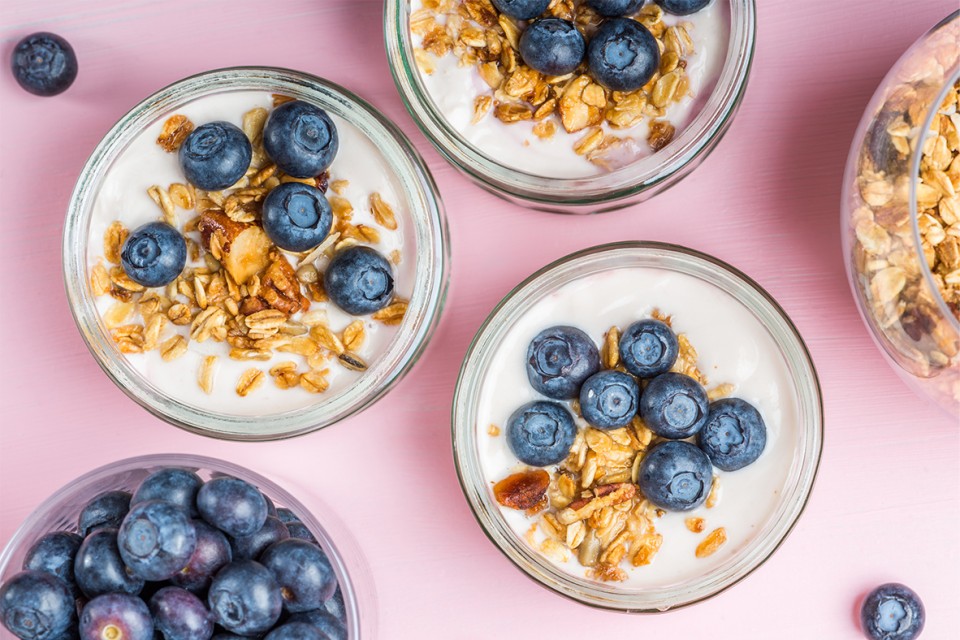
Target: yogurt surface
{"points": [[123, 196], [733, 347]]}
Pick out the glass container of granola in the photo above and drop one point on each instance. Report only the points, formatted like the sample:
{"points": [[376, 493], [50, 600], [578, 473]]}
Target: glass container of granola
{"points": [[900, 216], [592, 536], [60, 512], [245, 344], [565, 143]]}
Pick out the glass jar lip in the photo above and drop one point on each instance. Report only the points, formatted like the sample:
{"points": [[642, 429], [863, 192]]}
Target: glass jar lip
{"points": [[530, 562], [426, 215], [695, 140], [26, 532]]}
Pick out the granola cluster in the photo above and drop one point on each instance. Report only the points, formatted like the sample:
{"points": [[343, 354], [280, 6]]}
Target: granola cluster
{"points": [[590, 505], [239, 289], [482, 37]]}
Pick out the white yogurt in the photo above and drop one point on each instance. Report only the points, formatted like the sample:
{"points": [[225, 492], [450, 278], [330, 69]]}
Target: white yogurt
{"points": [[123, 196], [733, 347], [453, 89]]}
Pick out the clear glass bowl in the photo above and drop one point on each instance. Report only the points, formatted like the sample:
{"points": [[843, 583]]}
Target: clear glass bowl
{"points": [[884, 252], [60, 511], [430, 250], [806, 442], [634, 183]]}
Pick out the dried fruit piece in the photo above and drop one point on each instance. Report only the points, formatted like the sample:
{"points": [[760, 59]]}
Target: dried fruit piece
{"points": [[522, 490]]}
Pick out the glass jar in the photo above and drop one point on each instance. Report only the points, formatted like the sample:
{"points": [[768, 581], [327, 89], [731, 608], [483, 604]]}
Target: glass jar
{"points": [[899, 225], [60, 512], [635, 182], [795, 418], [425, 252]]}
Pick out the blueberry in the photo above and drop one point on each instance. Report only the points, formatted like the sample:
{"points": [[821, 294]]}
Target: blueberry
{"points": [[245, 598], [301, 139], [36, 605], [296, 631], [116, 615], [44, 64], [250, 547], [359, 280], [300, 531], [623, 55], [609, 399], [296, 216], [303, 572], [176, 486], [674, 406], [180, 615], [154, 254], [559, 359], [552, 46], [99, 568], [734, 434], [682, 7], [323, 620], [336, 607], [541, 433], [212, 553], [892, 611], [215, 155], [648, 348], [522, 9], [232, 505], [286, 515], [156, 540], [55, 554], [676, 475], [615, 8], [105, 510], [271, 508]]}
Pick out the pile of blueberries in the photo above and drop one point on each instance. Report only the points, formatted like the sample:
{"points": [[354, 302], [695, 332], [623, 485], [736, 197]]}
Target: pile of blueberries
{"points": [[302, 141], [622, 55], [563, 363], [179, 559]]}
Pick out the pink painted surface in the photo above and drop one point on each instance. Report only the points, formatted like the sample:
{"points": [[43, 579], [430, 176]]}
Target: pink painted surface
{"points": [[885, 506]]}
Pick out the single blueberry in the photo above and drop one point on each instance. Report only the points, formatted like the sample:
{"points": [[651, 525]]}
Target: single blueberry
{"points": [[616, 8], [215, 155], [300, 531], [99, 568], [559, 359], [245, 598], [892, 611], [522, 9], [105, 510], [212, 553], [303, 572], [180, 615], [359, 280], [674, 406], [55, 553], [44, 64], [271, 508], [35, 605], [609, 399], [286, 515], [116, 616], [648, 348], [156, 540], [232, 505], [154, 254], [734, 434], [176, 486], [323, 620], [301, 139], [682, 7], [296, 216], [250, 547], [675, 475], [336, 606], [541, 433], [623, 55], [552, 46]]}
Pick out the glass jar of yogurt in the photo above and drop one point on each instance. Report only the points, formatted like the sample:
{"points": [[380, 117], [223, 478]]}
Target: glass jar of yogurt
{"points": [[744, 345], [240, 386], [535, 162], [900, 216]]}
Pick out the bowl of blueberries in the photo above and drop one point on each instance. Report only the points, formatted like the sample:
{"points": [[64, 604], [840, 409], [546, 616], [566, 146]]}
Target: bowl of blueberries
{"points": [[175, 546]]}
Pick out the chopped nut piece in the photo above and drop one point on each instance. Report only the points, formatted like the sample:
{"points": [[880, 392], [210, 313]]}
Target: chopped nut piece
{"points": [[522, 490]]}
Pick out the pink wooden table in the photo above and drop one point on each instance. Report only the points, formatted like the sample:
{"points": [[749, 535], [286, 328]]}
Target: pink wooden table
{"points": [[885, 506]]}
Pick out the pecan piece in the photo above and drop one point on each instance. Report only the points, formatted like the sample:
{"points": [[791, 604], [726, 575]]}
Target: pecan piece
{"points": [[523, 490]]}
